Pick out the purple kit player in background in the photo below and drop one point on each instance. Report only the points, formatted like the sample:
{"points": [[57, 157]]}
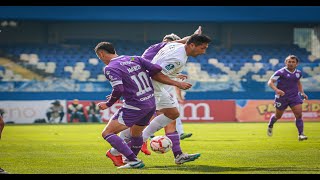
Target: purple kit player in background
{"points": [[130, 78], [288, 93]]}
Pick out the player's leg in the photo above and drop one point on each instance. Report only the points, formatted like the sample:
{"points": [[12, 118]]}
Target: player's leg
{"points": [[297, 111], [110, 134], [168, 115], [173, 135], [180, 130], [125, 135], [135, 145], [144, 147], [179, 126], [280, 104], [141, 120], [166, 107], [48, 116], [273, 119], [61, 115]]}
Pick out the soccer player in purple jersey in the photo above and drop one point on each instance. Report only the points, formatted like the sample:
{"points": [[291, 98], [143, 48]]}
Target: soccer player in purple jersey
{"points": [[130, 78], [288, 92]]}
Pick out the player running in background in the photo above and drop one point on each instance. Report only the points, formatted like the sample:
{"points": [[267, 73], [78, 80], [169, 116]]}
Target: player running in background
{"points": [[130, 78], [288, 92]]}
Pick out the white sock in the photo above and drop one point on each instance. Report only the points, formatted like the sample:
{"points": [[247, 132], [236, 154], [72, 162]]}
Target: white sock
{"points": [[155, 125], [179, 126], [125, 135], [114, 152]]}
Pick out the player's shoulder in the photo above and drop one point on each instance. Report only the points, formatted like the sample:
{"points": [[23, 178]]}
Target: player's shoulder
{"points": [[281, 70]]}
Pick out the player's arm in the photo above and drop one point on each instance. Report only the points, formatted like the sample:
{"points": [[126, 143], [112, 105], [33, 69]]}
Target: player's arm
{"points": [[160, 77], [117, 88], [179, 95], [156, 72], [271, 84], [185, 39], [112, 98], [300, 89]]}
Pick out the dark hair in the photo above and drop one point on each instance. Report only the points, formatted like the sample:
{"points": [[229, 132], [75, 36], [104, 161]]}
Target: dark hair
{"points": [[198, 39], [106, 46], [292, 57]]}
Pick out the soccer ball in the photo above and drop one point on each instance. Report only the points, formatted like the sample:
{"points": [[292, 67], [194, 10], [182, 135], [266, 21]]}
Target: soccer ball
{"points": [[160, 144]]}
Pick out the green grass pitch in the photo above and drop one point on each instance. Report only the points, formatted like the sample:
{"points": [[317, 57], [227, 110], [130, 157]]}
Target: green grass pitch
{"points": [[226, 148]]}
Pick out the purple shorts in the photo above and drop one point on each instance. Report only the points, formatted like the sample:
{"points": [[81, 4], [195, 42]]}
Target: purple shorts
{"points": [[131, 117], [283, 102]]}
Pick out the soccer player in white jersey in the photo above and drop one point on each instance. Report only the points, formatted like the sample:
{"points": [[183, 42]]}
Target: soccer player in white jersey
{"points": [[172, 58], [149, 54]]}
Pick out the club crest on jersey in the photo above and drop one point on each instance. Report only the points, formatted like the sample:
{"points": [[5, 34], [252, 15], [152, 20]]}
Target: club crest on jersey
{"points": [[169, 67], [297, 75], [111, 77], [132, 59]]}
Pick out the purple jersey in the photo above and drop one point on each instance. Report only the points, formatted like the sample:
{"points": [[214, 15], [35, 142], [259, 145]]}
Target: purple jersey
{"points": [[133, 72], [153, 50], [287, 81]]}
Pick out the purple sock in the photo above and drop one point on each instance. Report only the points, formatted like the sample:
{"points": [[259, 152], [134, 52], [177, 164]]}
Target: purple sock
{"points": [[135, 144], [175, 138], [119, 144], [272, 121], [299, 124]]}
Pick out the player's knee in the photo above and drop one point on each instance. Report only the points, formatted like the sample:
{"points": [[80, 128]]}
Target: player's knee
{"points": [[298, 116], [104, 133], [173, 115]]}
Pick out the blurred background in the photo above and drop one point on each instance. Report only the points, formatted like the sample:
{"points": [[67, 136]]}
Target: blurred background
{"points": [[47, 52]]}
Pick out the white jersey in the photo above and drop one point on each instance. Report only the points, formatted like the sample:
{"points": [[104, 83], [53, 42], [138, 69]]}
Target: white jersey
{"points": [[172, 58]]}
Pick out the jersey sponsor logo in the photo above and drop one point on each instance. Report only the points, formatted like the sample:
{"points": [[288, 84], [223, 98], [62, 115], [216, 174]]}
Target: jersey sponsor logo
{"points": [[169, 67], [125, 63], [112, 78], [107, 72]]}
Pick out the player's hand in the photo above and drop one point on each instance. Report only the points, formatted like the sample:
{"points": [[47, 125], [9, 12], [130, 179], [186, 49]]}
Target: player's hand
{"points": [[198, 31], [182, 76], [305, 97], [180, 101], [102, 105], [184, 85], [280, 92]]}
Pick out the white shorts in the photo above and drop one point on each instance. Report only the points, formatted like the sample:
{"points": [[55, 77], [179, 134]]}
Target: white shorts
{"points": [[165, 96], [165, 100]]}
